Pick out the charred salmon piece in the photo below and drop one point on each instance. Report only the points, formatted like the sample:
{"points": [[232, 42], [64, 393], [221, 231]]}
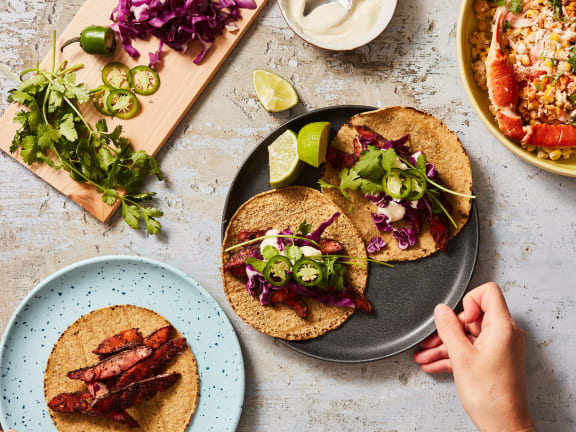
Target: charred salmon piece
{"points": [[290, 299], [339, 159], [111, 366], [238, 258], [124, 418], [97, 388], [250, 235], [126, 397], [331, 247], [71, 402], [122, 341], [152, 364], [80, 402], [159, 337]]}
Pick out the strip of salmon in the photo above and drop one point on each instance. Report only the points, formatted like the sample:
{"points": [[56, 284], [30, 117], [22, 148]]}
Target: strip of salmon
{"points": [[71, 402], [97, 388], [129, 396], [152, 364], [111, 366], [81, 403], [158, 337], [122, 341]]}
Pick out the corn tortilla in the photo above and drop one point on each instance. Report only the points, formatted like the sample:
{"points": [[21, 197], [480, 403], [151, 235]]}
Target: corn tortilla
{"points": [[441, 147], [281, 209], [171, 410]]}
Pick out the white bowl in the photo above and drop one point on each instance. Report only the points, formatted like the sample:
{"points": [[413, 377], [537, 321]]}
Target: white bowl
{"points": [[386, 15]]}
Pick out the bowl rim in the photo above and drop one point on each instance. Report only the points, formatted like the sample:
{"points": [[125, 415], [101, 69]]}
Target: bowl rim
{"points": [[468, 82], [303, 37]]}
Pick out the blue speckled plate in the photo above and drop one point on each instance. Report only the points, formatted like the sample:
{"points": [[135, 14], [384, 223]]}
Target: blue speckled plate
{"points": [[88, 285]]}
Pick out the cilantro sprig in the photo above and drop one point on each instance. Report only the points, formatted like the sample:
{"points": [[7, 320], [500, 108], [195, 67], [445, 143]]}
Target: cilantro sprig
{"points": [[53, 131]]}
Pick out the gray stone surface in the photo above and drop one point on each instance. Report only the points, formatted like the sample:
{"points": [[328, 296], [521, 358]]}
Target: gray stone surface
{"points": [[528, 225]]}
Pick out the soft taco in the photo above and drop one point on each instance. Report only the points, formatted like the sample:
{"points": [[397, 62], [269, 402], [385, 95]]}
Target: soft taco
{"points": [[404, 180], [121, 368], [283, 264]]}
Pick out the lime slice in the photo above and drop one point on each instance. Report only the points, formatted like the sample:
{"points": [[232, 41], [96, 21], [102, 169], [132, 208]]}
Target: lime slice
{"points": [[313, 142], [285, 167], [274, 92]]}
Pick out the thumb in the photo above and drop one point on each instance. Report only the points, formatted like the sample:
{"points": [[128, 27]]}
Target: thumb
{"points": [[451, 332]]}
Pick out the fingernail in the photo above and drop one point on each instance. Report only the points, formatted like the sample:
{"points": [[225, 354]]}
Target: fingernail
{"points": [[441, 310]]}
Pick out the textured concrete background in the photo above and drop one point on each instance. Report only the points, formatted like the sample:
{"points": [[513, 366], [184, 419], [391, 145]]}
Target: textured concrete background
{"points": [[528, 225]]}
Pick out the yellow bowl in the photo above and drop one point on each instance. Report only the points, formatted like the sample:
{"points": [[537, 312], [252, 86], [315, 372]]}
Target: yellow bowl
{"points": [[467, 24]]}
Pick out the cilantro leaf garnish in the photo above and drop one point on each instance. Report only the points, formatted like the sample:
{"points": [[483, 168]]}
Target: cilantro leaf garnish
{"points": [[369, 165], [304, 228], [371, 188], [349, 180], [388, 158], [269, 252], [257, 264], [293, 253], [53, 131], [516, 6], [557, 8]]}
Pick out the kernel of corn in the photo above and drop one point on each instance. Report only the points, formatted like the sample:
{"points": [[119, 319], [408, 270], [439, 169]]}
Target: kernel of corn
{"points": [[530, 148], [554, 37], [555, 155], [531, 13], [542, 155], [548, 63], [565, 43], [564, 67]]}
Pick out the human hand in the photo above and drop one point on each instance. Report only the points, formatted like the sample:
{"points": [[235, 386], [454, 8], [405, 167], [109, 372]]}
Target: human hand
{"points": [[485, 350]]}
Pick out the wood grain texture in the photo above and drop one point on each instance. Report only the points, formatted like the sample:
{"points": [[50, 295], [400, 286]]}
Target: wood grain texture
{"points": [[182, 82]]}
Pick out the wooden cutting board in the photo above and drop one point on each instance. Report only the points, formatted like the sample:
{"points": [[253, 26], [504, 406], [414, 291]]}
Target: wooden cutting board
{"points": [[181, 83]]}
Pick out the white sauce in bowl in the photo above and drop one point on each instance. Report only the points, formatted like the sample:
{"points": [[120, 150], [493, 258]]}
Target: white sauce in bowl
{"points": [[330, 26]]}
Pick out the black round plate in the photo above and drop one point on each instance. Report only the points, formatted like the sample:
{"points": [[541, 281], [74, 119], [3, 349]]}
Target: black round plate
{"points": [[403, 298]]}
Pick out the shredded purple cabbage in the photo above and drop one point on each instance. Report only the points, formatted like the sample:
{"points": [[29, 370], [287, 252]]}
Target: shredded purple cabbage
{"points": [[381, 222], [257, 285], [376, 244], [406, 237], [430, 168], [327, 298], [317, 233], [283, 242], [175, 22]]}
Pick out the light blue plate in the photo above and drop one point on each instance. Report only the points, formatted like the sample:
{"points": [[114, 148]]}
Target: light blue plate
{"points": [[82, 287]]}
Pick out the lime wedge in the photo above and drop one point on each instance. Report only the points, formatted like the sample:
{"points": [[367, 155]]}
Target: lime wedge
{"points": [[285, 167], [313, 142], [274, 92]]}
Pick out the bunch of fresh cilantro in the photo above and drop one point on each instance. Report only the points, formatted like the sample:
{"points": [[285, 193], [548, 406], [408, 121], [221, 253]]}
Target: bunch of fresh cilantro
{"points": [[53, 131]]}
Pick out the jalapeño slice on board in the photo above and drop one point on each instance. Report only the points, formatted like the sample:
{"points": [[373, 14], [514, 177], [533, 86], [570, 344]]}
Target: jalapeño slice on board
{"points": [[144, 80], [123, 104], [117, 75]]}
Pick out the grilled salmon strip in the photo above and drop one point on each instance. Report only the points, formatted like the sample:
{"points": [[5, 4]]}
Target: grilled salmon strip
{"points": [[122, 341], [129, 396], [152, 364], [111, 366], [81, 403], [158, 338]]}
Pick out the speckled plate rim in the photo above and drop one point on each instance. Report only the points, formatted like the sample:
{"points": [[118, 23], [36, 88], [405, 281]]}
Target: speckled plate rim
{"points": [[466, 75], [169, 268]]}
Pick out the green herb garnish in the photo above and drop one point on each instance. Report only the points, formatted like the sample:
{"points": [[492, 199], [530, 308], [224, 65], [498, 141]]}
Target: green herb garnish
{"points": [[516, 6], [557, 8], [54, 126]]}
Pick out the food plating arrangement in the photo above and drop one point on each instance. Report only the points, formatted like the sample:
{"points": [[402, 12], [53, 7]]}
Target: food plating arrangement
{"points": [[341, 231]]}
